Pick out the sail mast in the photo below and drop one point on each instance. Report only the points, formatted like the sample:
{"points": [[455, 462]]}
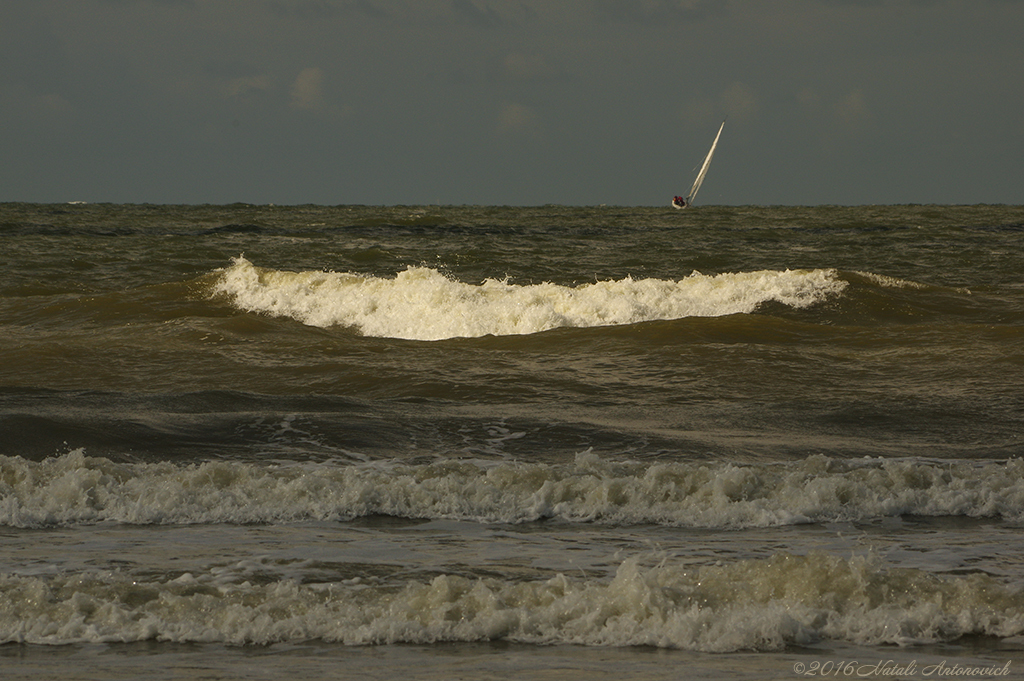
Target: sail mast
{"points": [[704, 168]]}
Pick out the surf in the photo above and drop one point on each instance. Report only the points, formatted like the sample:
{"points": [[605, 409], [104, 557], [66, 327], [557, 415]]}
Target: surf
{"points": [[75, 488], [760, 604], [422, 303]]}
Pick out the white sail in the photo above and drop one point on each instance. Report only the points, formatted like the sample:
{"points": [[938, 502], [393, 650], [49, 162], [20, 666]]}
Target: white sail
{"points": [[704, 168]]}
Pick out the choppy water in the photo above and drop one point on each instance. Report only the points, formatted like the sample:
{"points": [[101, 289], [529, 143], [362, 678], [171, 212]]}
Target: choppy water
{"points": [[442, 441]]}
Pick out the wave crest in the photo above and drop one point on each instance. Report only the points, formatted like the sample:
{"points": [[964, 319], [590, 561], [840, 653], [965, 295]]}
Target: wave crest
{"points": [[423, 304], [75, 488], [763, 604]]}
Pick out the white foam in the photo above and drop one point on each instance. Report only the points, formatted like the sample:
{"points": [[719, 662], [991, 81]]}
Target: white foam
{"points": [[423, 304], [75, 488], [756, 604]]}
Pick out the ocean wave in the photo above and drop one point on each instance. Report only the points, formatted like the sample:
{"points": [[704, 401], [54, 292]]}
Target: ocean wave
{"points": [[75, 488], [424, 304], [762, 604]]}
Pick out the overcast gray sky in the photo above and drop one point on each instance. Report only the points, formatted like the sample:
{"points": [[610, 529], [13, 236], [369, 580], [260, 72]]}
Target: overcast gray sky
{"points": [[516, 102]]}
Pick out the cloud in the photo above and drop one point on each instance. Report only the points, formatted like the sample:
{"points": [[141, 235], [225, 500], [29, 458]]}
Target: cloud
{"points": [[520, 66], [738, 101], [239, 87], [699, 111], [484, 17], [45, 107], [517, 119], [169, 3], [656, 12], [308, 94], [304, 9], [322, 10], [307, 90], [809, 99], [852, 111]]}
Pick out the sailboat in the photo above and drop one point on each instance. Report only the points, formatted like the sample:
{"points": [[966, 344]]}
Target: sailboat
{"points": [[684, 202]]}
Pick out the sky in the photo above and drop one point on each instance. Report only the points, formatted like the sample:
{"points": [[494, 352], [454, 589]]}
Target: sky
{"points": [[511, 102]]}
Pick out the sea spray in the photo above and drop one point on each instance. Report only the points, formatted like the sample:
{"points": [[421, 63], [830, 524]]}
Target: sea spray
{"points": [[762, 604], [76, 488], [423, 304]]}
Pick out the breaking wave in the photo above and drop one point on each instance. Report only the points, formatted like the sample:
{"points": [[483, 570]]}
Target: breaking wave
{"points": [[762, 604], [424, 304], [75, 488]]}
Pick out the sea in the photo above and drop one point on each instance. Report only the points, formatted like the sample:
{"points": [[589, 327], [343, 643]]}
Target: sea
{"points": [[502, 442]]}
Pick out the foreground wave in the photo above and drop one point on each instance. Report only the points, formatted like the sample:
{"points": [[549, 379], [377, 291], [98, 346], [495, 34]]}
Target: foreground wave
{"points": [[754, 604], [75, 488], [423, 304]]}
